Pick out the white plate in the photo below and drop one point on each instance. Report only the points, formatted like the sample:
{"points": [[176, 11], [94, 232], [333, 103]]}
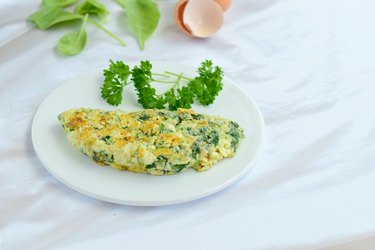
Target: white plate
{"points": [[105, 183]]}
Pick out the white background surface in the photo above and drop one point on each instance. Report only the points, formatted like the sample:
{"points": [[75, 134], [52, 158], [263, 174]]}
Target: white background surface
{"points": [[309, 64]]}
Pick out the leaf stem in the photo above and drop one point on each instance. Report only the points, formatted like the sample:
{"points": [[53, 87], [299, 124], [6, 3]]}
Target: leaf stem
{"points": [[176, 83], [167, 76], [178, 75], [107, 31], [161, 81], [163, 75], [178, 80], [83, 26]]}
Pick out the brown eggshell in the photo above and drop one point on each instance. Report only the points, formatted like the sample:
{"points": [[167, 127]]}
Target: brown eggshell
{"points": [[225, 4], [178, 16], [202, 17]]}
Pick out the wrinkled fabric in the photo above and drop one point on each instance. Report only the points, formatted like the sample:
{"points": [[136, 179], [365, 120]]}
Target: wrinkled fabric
{"points": [[309, 64]]}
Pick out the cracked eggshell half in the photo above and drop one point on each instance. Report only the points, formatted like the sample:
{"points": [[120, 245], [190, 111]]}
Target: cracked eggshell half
{"points": [[199, 18], [224, 4], [178, 16]]}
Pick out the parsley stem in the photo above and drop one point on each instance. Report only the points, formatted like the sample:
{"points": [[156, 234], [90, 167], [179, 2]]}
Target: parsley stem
{"points": [[176, 84], [166, 76], [178, 75], [107, 31], [161, 81], [163, 75], [178, 81]]}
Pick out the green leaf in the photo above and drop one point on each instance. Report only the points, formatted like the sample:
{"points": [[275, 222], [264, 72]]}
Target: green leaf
{"points": [[183, 99], [59, 3], [50, 16], [73, 42], [147, 97], [208, 84], [115, 78], [143, 17], [121, 3], [92, 7]]}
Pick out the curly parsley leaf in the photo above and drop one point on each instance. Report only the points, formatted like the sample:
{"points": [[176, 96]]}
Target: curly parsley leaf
{"points": [[208, 84], [142, 77], [182, 99], [115, 79]]}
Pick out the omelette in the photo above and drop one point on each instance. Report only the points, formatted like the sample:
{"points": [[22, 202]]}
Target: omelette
{"points": [[152, 141]]}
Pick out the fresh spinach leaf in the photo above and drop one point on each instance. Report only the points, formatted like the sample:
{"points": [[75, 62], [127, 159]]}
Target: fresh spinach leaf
{"points": [[121, 3], [60, 3], [73, 42], [51, 15], [143, 17], [92, 7]]}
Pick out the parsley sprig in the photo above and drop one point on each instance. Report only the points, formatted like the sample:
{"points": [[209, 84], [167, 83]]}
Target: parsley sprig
{"points": [[116, 78], [203, 88], [142, 78]]}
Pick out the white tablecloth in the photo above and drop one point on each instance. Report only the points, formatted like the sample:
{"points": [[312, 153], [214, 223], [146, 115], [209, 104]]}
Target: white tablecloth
{"points": [[309, 64]]}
